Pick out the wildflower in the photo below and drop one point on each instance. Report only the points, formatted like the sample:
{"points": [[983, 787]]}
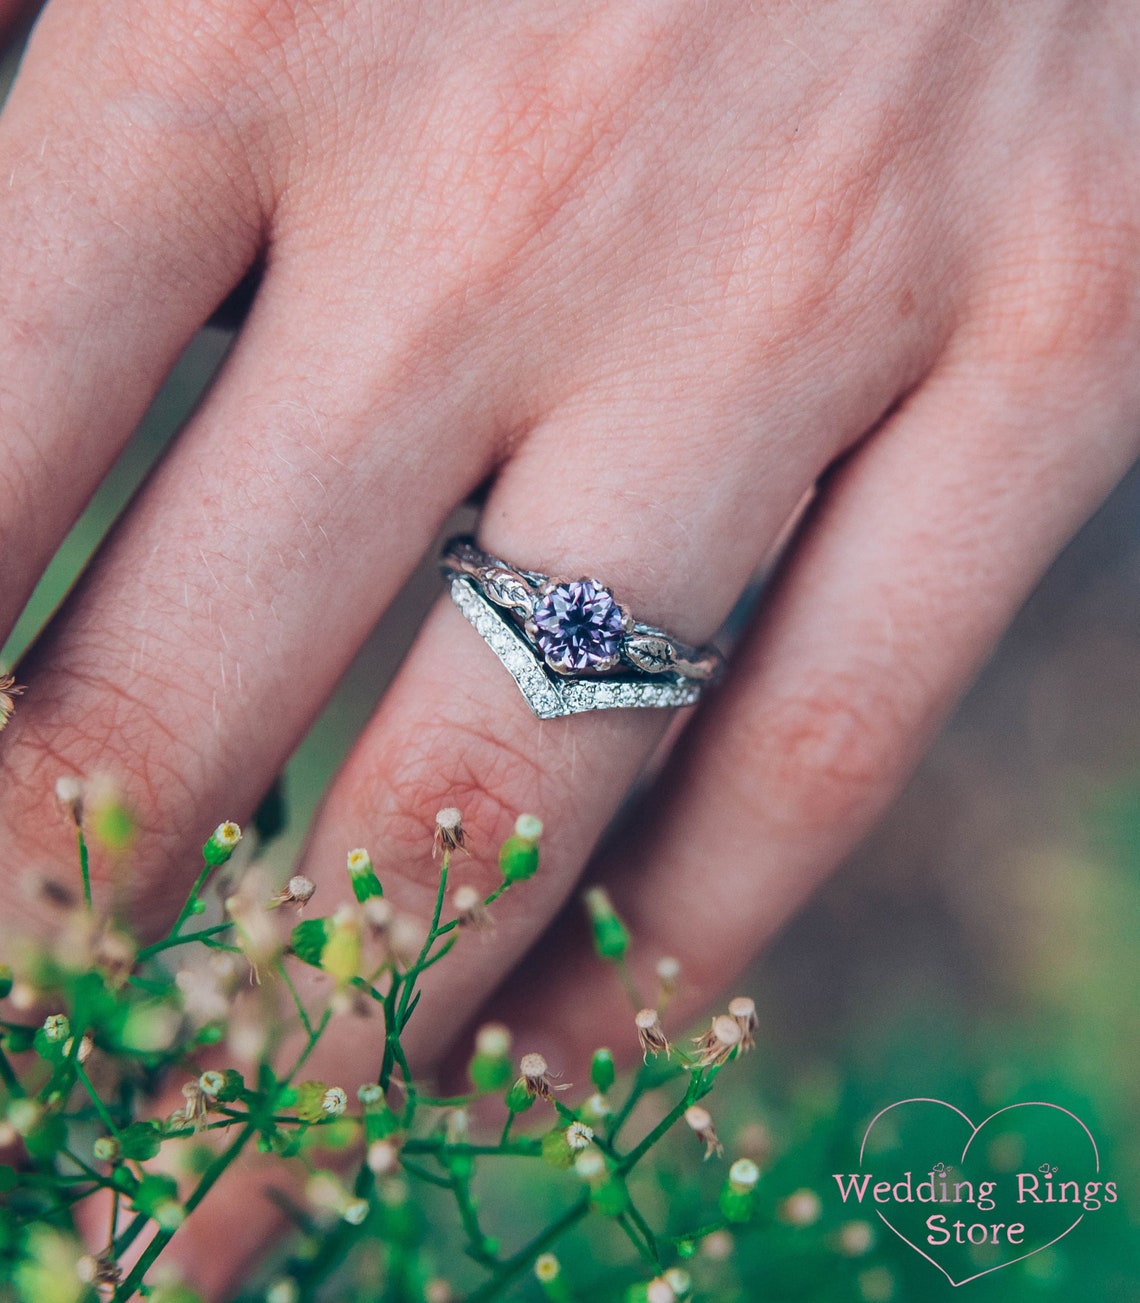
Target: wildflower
{"points": [[378, 913], [69, 793], [699, 1121], [222, 843], [449, 833], [678, 1280], [743, 1175], [743, 1009], [106, 1149], [325, 1194], [590, 1164], [203, 998], [547, 1268], [611, 938], [383, 1157], [100, 1271], [469, 908], [114, 953], [57, 1027], [716, 1046], [370, 1094], [458, 1126], [405, 938], [362, 876], [193, 1113], [579, 1136], [534, 1078], [334, 1102], [597, 1107], [602, 1071], [660, 1291], [650, 1034], [668, 973], [297, 891], [256, 934], [83, 1053], [518, 855], [8, 690], [801, 1208]]}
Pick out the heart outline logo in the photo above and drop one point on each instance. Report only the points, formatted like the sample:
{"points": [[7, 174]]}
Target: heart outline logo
{"points": [[974, 1130]]}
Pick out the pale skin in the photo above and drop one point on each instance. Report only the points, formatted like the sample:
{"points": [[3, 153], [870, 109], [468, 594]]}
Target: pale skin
{"points": [[650, 269]]}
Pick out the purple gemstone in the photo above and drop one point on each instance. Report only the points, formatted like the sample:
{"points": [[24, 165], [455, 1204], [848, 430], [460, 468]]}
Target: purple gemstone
{"points": [[580, 626]]}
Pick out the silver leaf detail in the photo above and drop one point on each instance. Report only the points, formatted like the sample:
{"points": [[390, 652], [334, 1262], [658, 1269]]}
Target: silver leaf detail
{"points": [[653, 655], [505, 588]]}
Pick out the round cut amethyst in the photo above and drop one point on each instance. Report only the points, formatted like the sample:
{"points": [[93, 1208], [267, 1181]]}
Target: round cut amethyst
{"points": [[580, 626]]}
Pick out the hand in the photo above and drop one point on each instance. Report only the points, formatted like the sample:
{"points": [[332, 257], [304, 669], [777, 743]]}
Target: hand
{"points": [[651, 269]]}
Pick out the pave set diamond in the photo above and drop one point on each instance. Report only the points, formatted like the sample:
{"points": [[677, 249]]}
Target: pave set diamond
{"points": [[581, 627]]}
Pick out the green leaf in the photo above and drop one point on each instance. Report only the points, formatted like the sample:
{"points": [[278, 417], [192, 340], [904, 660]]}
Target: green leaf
{"points": [[309, 938]]}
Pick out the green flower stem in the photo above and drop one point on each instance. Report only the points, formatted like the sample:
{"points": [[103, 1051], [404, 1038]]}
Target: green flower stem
{"points": [[519, 1262], [422, 1174], [633, 994], [314, 1036], [184, 913], [130, 1285], [93, 1094], [469, 1216], [408, 983], [301, 1011], [451, 1101], [646, 1231], [523, 1147], [84, 866], [8, 1076], [500, 890], [674, 1115], [636, 1240], [147, 952], [126, 1238], [639, 1087]]}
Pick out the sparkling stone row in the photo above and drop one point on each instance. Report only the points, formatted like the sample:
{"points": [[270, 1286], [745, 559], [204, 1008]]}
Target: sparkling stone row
{"points": [[545, 698]]}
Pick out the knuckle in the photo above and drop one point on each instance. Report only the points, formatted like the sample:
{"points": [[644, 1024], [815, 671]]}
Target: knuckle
{"points": [[474, 765], [826, 757]]}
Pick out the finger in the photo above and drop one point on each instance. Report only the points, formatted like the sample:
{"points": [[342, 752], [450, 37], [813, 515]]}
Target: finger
{"points": [[126, 213], [230, 599], [453, 729], [917, 557]]}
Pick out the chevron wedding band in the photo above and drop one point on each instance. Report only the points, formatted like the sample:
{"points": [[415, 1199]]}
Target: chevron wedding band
{"points": [[568, 643]]}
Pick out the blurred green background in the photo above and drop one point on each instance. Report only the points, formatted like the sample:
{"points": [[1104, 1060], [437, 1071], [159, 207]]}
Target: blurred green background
{"points": [[980, 947]]}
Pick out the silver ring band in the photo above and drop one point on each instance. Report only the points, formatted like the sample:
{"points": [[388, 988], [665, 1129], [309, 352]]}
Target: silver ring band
{"points": [[568, 643]]}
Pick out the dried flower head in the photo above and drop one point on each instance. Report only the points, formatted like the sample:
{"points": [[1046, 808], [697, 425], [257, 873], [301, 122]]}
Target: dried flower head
{"points": [[378, 913], [469, 908], [493, 1040], [333, 1102], [668, 974], [590, 1164], [650, 1034], [449, 833], [9, 689], [535, 1078], [297, 891], [743, 1009], [256, 933], [579, 1136], [743, 1175], [699, 1120], [100, 1271], [193, 1112], [719, 1043], [69, 793]]}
